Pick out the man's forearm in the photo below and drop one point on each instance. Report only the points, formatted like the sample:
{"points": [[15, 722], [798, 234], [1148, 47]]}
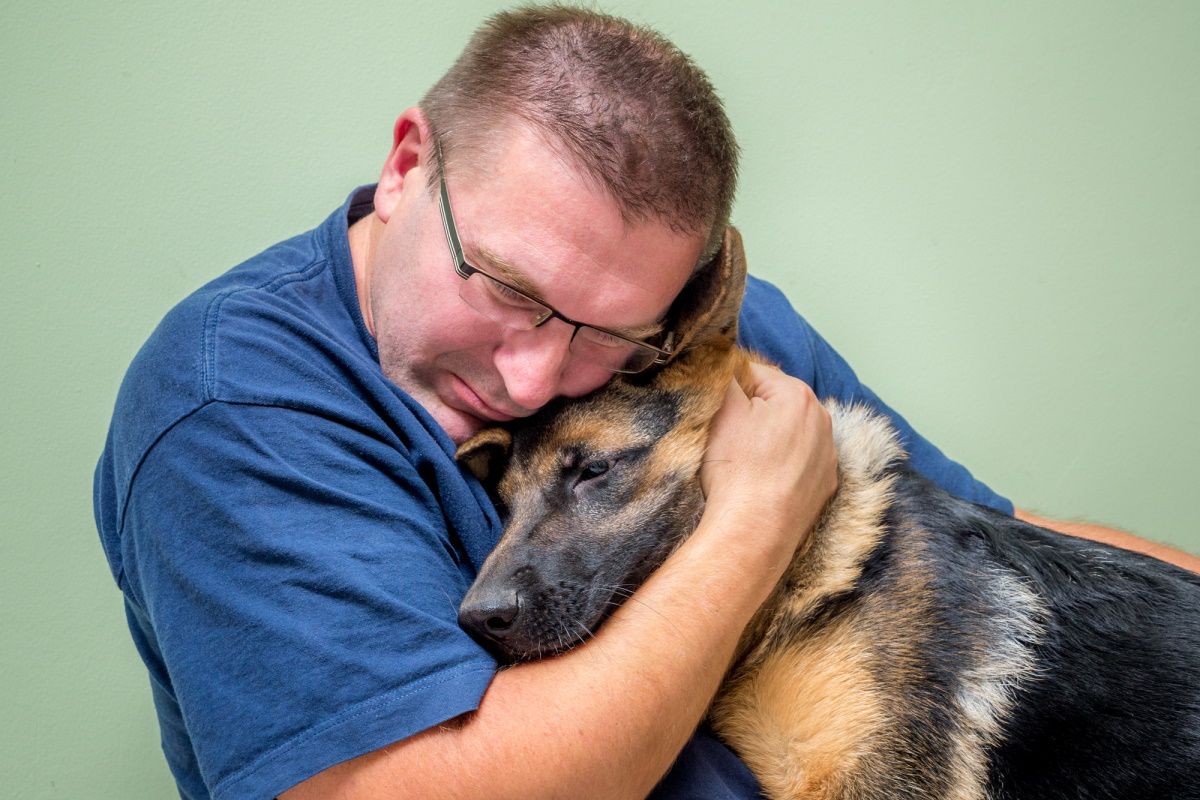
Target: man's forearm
{"points": [[604, 720], [1116, 538], [608, 718]]}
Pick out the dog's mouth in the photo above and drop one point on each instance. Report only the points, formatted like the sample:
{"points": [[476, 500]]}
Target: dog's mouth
{"points": [[533, 612], [542, 595], [538, 619]]}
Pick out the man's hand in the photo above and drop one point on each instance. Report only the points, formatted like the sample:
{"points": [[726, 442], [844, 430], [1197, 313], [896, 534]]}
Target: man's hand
{"points": [[771, 463]]}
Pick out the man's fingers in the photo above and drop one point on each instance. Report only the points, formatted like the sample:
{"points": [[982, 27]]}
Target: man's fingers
{"points": [[734, 393], [734, 403], [765, 381]]}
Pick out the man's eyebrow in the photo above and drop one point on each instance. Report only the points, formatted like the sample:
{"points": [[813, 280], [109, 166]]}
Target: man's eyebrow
{"points": [[510, 273], [641, 332]]}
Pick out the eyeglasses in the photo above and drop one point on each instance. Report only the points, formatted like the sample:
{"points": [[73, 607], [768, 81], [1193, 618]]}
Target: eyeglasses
{"points": [[506, 304]]}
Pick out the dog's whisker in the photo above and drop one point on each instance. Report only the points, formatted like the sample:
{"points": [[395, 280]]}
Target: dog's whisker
{"points": [[558, 635], [649, 607], [624, 589], [586, 630], [629, 594], [450, 601]]}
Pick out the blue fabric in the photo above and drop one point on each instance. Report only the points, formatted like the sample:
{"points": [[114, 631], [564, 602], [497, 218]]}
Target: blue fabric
{"points": [[769, 325], [292, 536]]}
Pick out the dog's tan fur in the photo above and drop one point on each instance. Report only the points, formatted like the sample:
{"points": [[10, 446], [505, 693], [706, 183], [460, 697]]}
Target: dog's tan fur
{"points": [[813, 714]]}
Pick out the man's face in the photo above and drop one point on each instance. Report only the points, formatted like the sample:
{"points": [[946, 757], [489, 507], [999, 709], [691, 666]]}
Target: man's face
{"points": [[535, 221]]}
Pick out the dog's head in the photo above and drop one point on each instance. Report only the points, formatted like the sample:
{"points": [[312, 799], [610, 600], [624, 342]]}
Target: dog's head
{"points": [[598, 491]]}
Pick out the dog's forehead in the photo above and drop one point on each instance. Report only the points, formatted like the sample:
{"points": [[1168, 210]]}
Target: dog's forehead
{"points": [[619, 417], [616, 418]]}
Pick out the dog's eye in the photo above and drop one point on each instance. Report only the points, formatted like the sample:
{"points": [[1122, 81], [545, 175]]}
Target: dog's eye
{"points": [[594, 469]]}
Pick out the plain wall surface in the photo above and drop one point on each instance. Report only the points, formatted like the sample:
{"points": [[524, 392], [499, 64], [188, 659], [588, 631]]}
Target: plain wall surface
{"points": [[992, 210]]}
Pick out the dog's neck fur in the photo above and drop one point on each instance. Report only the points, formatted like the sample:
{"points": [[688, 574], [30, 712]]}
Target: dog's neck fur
{"points": [[830, 560]]}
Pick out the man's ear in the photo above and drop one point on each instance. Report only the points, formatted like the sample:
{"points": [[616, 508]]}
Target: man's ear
{"points": [[710, 302], [411, 147], [485, 455]]}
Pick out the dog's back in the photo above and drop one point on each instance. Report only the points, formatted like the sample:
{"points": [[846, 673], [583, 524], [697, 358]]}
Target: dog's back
{"points": [[1112, 708]]}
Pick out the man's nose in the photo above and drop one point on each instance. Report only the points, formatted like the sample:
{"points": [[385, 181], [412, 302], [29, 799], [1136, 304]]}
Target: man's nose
{"points": [[531, 363]]}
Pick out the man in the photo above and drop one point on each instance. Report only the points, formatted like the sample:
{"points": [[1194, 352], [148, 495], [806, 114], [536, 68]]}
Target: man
{"points": [[278, 499]]}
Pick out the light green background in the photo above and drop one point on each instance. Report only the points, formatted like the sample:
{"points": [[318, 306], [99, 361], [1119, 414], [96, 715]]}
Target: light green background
{"points": [[992, 209]]}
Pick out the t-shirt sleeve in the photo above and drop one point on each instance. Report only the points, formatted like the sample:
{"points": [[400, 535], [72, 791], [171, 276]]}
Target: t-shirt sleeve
{"points": [[707, 769], [769, 325], [293, 584]]}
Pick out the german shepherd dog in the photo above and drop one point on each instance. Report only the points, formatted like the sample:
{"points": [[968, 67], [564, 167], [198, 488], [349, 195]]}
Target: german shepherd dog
{"points": [[918, 646]]}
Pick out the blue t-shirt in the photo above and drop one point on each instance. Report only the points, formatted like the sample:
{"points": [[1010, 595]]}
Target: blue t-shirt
{"points": [[292, 535]]}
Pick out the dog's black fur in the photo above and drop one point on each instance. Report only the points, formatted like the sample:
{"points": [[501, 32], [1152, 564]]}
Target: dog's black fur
{"points": [[1113, 710]]}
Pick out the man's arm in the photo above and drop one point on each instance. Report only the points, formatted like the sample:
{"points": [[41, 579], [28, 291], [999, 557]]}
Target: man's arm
{"points": [[608, 718], [1126, 541]]}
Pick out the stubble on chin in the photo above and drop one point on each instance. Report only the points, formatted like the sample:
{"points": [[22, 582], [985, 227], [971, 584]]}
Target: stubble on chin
{"points": [[458, 425]]}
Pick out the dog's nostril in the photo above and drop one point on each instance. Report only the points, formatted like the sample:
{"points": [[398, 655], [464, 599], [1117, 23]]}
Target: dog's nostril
{"points": [[499, 623]]}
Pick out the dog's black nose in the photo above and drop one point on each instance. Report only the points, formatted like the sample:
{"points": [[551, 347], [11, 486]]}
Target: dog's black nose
{"points": [[490, 614]]}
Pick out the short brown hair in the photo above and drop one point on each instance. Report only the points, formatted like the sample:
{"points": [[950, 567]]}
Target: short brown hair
{"points": [[626, 106]]}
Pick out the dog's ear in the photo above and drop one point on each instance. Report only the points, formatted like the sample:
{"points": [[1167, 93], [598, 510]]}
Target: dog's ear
{"points": [[485, 455], [710, 302]]}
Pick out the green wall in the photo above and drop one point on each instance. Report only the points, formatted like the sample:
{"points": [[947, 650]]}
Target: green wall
{"points": [[992, 209]]}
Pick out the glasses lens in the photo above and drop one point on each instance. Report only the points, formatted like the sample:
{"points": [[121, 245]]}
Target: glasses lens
{"points": [[611, 352], [501, 303], [639, 359]]}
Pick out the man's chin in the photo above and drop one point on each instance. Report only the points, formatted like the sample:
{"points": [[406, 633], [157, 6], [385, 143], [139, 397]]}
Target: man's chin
{"points": [[459, 425], [447, 397]]}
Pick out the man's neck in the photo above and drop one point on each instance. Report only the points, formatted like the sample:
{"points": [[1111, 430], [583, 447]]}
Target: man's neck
{"points": [[361, 238]]}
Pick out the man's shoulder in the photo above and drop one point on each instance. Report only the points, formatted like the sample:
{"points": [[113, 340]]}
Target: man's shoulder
{"points": [[769, 325], [229, 328], [274, 330]]}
